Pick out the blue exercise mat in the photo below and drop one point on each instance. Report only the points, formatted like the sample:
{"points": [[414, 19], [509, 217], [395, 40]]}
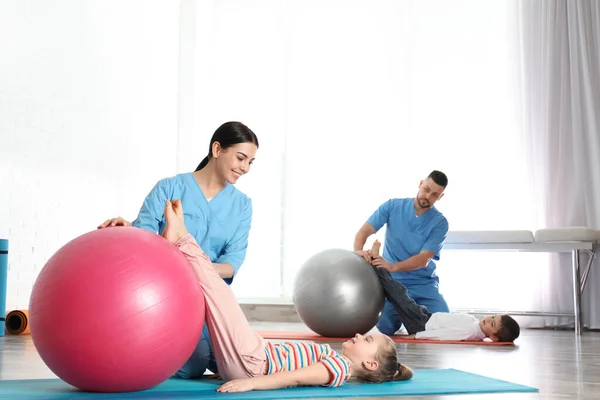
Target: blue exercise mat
{"points": [[425, 381]]}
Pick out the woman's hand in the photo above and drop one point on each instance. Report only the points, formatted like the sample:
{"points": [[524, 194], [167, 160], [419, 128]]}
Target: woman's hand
{"points": [[114, 222], [237, 385]]}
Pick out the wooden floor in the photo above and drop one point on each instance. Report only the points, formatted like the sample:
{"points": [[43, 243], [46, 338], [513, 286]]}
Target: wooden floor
{"points": [[556, 362]]}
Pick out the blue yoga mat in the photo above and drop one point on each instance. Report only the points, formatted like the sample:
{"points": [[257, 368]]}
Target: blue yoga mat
{"points": [[425, 381], [3, 282]]}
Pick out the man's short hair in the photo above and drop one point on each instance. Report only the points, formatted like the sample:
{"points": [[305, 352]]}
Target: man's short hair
{"points": [[439, 177]]}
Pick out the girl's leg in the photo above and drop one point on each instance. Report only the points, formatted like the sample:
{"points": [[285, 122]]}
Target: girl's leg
{"points": [[239, 351]]}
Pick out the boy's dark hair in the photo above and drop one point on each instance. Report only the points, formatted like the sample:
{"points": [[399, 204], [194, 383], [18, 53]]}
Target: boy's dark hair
{"points": [[438, 177], [510, 329]]}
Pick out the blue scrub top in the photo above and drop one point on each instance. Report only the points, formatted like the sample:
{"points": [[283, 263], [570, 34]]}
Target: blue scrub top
{"points": [[220, 226], [407, 235]]}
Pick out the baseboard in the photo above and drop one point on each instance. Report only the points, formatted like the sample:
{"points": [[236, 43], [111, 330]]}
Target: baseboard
{"points": [[270, 312]]}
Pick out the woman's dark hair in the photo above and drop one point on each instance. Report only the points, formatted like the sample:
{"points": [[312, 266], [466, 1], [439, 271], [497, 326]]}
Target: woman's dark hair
{"points": [[227, 135]]}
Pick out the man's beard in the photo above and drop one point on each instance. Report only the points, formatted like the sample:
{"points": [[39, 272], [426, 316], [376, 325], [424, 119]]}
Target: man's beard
{"points": [[424, 203]]}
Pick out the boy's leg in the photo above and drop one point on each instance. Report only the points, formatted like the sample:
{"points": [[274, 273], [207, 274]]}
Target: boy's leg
{"points": [[390, 321], [412, 315], [239, 351]]}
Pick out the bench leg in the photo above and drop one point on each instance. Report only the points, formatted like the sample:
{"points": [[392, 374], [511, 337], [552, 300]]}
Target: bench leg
{"points": [[576, 292], [584, 276]]}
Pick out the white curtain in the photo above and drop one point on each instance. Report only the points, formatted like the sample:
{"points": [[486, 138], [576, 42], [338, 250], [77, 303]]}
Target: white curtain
{"points": [[379, 94], [354, 102], [233, 69], [558, 62]]}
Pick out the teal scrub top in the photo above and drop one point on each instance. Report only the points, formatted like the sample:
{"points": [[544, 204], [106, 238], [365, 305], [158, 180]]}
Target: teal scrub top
{"points": [[407, 235], [220, 225]]}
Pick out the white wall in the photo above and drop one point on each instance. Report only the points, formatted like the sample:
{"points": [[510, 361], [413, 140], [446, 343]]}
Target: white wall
{"points": [[353, 103], [88, 120], [238, 74]]}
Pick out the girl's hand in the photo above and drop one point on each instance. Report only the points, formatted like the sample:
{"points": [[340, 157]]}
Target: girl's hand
{"points": [[237, 385]]}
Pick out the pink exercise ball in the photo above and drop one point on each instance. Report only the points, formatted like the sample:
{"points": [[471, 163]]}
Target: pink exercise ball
{"points": [[116, 310]]}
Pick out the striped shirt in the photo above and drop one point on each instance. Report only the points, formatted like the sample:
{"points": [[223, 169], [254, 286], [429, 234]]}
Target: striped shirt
{"points": [[290, 356]]}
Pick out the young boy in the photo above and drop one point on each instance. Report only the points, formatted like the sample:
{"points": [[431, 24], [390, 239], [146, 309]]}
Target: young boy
{"points": [[421, 324]]}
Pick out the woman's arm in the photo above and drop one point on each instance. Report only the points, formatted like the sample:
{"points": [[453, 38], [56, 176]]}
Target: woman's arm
{"points": [[313, 375], [151, 213], [235, 252], [225, 270]]}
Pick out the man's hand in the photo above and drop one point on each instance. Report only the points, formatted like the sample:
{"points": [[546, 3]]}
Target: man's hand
{"points": [[381, 262], [114, 222], [237, 385], [366, 255]]}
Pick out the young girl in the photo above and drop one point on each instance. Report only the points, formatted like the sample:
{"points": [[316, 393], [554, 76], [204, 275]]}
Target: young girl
{"points": [[247, 362]]}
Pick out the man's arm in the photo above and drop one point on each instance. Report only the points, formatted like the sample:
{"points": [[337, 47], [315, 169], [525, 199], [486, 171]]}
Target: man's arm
{"points": [[362, 235], [374, 223], [412, 263], [432, 246]]}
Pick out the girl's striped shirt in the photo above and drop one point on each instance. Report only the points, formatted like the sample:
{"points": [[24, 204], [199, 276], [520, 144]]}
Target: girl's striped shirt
{"points": [[289, 356]]}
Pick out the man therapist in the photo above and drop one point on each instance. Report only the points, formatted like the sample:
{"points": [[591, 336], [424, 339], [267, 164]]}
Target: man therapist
{"points": [[415, 235]]}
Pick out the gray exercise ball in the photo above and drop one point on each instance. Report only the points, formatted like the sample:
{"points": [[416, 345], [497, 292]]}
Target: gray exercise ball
{"points": [[337, 294]]}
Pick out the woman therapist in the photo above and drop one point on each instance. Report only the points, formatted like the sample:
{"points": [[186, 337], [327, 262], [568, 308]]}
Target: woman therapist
{"points": [[217, 214]]}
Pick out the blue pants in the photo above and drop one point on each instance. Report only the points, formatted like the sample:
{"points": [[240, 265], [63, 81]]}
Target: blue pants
{"points": [[426, 295], [202, 358]]}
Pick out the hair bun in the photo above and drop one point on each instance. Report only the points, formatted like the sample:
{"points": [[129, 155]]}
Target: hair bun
{"points": [[404, 373]]}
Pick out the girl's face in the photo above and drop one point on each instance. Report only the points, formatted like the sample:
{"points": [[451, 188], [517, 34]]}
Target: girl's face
{"points": [[363, 349], [234, 161]]}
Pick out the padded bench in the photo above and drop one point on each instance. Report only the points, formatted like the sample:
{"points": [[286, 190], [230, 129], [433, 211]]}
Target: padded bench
{"points": [[572, 240]]}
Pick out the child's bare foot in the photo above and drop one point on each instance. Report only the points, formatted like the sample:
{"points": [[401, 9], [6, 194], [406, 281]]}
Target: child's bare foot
{"points": [[175, 228], [375, 248]]}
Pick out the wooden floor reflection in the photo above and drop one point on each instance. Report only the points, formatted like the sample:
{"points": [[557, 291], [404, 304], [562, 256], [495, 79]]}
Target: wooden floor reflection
{"points": [[558, 363]]}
